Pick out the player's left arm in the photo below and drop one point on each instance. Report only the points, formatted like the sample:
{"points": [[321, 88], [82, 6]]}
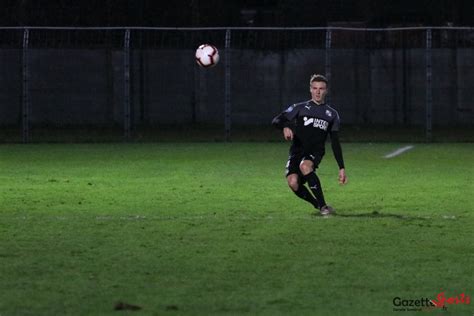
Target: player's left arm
{"points": [[337, 150]]}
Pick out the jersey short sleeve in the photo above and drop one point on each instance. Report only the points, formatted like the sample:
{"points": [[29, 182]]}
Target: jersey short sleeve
{"points": [[291, 112]]}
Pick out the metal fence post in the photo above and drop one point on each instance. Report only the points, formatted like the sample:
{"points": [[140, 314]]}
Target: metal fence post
{"points": [[227, 91], [25, 111], [126, 90], [328, 58], [429, 87]]}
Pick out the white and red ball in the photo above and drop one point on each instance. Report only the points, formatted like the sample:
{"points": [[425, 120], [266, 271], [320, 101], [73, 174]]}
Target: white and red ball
{"points": [[207, 55]]}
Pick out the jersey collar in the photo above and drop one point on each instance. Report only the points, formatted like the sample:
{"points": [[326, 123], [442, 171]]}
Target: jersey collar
{"points": [[314, 103]]}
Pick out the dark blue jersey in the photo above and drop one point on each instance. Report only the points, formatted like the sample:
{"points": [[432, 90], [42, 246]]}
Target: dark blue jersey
{"points": [[311, 123]]}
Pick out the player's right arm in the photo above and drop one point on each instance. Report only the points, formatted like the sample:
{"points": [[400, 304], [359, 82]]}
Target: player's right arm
{"points": [[286, 121]]}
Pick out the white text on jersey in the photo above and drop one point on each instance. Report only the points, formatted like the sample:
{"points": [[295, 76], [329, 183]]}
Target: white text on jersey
{"points": [[319, 123]]}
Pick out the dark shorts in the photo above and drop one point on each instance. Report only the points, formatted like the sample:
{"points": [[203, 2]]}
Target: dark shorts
{"points": [[295, 159]]}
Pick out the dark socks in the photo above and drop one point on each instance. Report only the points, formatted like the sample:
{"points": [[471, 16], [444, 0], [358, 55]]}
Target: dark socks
{"points": [[315, 186], [304, 194]]}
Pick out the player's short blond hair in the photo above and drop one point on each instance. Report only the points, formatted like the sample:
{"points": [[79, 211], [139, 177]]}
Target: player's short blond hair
{"points": [[318, 78]]}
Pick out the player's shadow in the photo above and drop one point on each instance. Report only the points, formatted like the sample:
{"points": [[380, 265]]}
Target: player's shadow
{"points": [[376, 214]]}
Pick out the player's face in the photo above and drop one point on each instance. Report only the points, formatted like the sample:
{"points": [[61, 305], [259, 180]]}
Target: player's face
{"points": [[318, 91]]}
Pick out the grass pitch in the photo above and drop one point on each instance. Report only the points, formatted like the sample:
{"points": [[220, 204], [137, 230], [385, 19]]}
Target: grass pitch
{"points": [[211, 229]]}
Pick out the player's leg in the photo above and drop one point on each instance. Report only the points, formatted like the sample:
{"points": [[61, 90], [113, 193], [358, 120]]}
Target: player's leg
{"points": [[295, 181], [296, 185], [307, 167]]}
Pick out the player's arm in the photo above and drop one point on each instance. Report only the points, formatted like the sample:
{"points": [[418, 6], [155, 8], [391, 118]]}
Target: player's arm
{"points": [[286, 121], [337, 150]]}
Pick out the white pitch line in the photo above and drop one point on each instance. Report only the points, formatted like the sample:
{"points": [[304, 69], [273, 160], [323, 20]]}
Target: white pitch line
{"points": [[399, 151]]}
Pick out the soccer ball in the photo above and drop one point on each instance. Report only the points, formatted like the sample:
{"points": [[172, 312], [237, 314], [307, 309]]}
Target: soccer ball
{"points": [[207, 55]]}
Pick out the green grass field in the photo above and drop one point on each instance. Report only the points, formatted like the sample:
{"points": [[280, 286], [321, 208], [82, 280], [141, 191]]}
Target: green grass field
{"points": [[212, 229]]}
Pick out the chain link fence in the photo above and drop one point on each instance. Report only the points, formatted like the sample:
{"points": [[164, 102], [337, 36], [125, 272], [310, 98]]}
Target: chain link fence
{"points": [[124, 81]]}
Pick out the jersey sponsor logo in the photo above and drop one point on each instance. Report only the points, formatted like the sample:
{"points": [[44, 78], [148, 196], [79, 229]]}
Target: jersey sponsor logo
{"points": [[328, 113], [321, 124], [318, 123], [307, 121]]}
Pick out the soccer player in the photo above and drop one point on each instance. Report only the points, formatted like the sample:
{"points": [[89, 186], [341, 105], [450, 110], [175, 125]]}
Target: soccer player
{"points": [[307, 124]]}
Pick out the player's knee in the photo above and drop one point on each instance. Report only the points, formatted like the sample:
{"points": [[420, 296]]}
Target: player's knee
{"points": [[306, 168], [293, 183]]}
